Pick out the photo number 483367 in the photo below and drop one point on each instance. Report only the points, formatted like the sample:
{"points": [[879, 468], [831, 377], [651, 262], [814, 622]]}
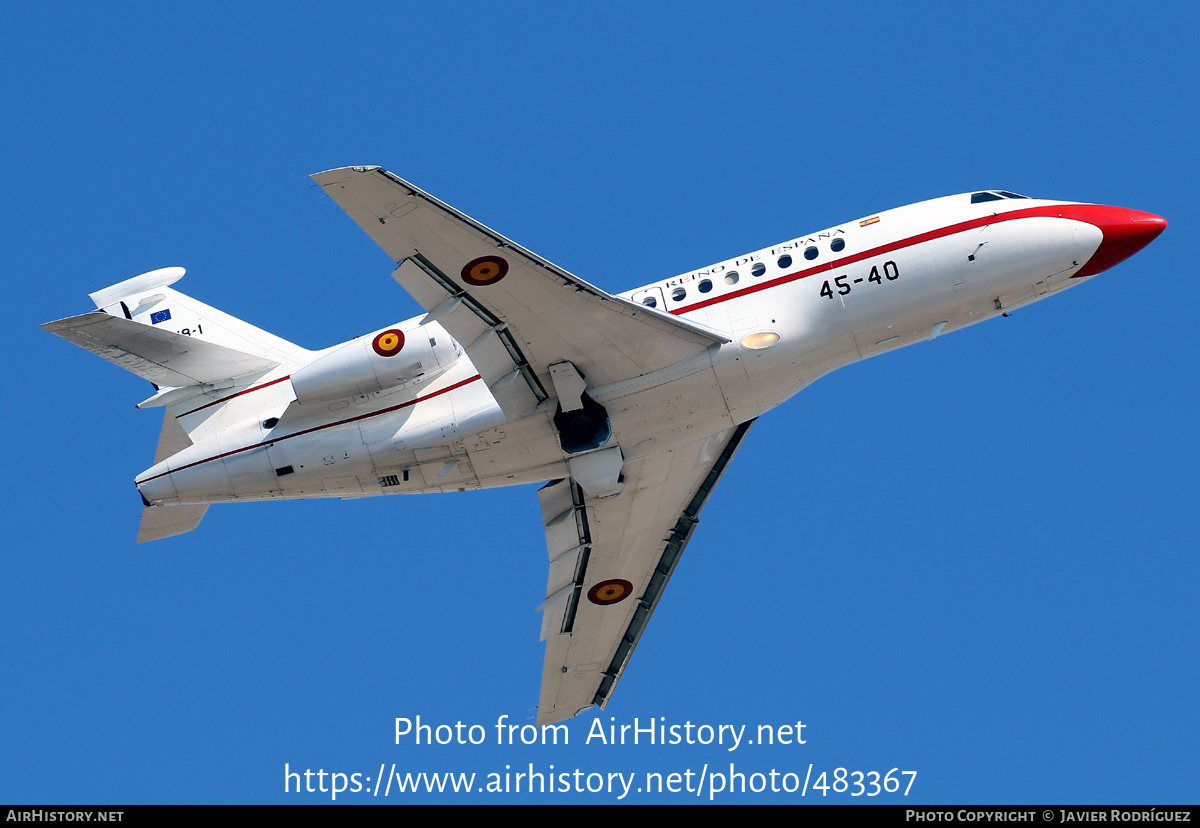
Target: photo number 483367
{"points": [[887, 272]]}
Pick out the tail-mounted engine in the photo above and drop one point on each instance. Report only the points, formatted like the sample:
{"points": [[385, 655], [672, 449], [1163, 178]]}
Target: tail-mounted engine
{"points": [[376, 362]]}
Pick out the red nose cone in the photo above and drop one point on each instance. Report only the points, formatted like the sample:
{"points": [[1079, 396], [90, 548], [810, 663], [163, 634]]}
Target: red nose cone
{"points": [[1125, 233]]}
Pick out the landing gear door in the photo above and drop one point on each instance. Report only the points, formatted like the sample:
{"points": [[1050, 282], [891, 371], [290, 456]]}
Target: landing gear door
{"points": [[651, 298]]}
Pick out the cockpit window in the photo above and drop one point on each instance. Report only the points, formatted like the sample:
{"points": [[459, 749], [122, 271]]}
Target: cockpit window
{"points": [[994, 195]]}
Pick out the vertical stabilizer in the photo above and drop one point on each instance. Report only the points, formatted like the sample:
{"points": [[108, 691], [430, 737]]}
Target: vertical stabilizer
{"points": [[150, 300]]}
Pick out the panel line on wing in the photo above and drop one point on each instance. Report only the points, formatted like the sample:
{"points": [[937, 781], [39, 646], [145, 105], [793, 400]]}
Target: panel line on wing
{"points": [[494, 238], [672, 552], [585, 540], [569, 543]]}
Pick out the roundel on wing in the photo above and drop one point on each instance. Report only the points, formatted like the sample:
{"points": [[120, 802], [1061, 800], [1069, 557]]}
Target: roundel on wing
{"points": [[388, 343], [486, 270], [613, 591]]}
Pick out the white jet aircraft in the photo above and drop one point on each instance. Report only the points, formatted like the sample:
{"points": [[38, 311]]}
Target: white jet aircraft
{"points": [[630, 406]]}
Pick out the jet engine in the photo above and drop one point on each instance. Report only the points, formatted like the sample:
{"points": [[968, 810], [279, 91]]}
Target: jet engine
{"points": [[375, 362]]}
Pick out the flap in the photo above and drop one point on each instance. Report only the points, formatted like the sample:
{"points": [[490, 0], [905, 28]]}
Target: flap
{"points": [[610, 560]]}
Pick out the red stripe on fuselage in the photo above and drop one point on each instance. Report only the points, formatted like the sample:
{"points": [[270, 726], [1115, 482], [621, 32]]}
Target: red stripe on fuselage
{"points": [[238, 394], [1056, 211], [437, 393]]}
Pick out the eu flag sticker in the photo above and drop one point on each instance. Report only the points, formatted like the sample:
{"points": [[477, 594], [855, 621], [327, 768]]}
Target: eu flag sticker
{"points": [[160, 316]]}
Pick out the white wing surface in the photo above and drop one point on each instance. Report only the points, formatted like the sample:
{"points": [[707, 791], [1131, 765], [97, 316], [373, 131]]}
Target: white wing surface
{"points": [[610, 559], [163, 357], [513, 311]]}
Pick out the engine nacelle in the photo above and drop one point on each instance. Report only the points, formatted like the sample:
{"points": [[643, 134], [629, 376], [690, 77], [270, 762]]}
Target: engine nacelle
{"points": [[375, 362]]}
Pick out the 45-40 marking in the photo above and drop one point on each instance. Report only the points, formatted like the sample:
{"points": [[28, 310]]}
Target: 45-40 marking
{"points": [[844, 284]]}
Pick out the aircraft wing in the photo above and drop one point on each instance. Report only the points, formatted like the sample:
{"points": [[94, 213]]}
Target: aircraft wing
{"points": [[513, 311], [610, 560]]}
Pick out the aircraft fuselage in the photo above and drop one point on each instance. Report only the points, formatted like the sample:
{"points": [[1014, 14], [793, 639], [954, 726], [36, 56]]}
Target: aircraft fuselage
{"points": [[793, 312]]}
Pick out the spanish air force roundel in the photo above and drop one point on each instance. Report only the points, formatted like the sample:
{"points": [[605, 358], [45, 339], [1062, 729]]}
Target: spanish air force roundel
{"points": [[388, 343], [610, 592], [486, 270]]}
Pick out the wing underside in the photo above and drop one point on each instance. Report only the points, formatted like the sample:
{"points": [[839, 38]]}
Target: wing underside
{"points": [[514, 312], [520, 319], [610, 560]]}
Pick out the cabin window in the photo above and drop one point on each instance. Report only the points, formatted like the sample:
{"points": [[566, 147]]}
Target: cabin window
{"points": [[784, 261], [705, 285], [837, 245], [678, 294], [758, 269], [649, 301], [731, 277], [811, 253]]}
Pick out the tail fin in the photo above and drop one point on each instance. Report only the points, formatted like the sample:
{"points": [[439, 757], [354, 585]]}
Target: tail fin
{"points": [[171, 339], [150, 300], [182, 346]]}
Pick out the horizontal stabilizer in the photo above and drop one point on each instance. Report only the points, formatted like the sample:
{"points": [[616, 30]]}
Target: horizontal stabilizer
{"points": [[160, 522], [163, 357]]}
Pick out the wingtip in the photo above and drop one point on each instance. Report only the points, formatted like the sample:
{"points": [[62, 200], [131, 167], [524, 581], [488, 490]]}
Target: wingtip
{"points": [[359, 168]]}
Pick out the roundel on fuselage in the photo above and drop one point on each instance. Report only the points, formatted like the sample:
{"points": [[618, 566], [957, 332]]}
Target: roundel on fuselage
{"points": [[389, 343], [486, 270]]}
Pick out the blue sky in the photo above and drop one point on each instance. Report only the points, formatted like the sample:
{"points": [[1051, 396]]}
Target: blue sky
{"points": [[975, 558]]}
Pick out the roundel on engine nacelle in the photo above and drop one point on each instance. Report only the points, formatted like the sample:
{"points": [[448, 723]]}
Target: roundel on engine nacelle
{"points": [[389, 343]]}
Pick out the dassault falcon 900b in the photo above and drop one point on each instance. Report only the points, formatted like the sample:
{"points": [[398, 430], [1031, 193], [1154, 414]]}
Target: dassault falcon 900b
{"points": [[628, 407]]}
